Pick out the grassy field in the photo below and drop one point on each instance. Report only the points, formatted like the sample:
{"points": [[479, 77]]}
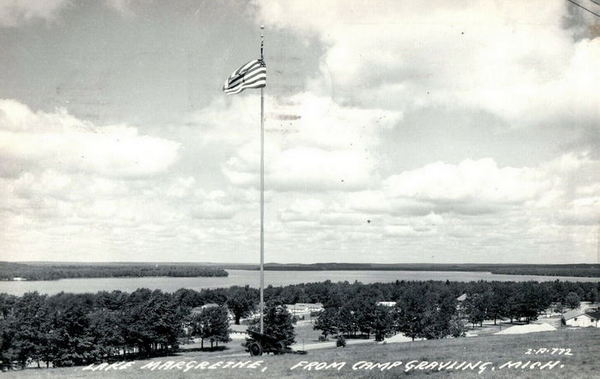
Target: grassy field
{"points": [[583, 363]]}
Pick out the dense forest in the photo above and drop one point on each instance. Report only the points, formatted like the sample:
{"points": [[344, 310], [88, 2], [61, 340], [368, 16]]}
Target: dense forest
{"points": [[583, 270], [75, 329], [27, 271]]}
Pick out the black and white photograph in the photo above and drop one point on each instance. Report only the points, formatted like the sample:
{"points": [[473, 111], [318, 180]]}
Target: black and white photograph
{"points": [[299, 189]]}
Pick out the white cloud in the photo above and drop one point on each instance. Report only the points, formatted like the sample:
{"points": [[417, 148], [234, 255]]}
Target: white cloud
{"points": [[301, 210], [304, 119], [39, 140], [474, 207], [486, 55], [584, 211], [481, 187], [314, 144], [316, 169], [336, 187], [302, 169], [373, 201], [469, 181], [16, 12], [214, 205], [121, 6], [400, 231]]}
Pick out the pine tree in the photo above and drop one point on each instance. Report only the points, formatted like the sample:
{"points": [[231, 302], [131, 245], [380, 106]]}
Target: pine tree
{"points": [[278, 322], [241, 301], [382, 322], [327, 322]]}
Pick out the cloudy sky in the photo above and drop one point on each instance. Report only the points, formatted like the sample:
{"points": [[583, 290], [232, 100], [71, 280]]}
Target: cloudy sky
{"points": [[396, 131]]}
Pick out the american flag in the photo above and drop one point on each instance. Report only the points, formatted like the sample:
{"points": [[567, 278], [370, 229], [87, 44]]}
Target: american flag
{"points": [[251, 75]]}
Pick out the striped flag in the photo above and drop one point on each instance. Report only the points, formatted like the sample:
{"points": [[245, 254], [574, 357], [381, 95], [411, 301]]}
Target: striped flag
{"points": [[251, 75]]}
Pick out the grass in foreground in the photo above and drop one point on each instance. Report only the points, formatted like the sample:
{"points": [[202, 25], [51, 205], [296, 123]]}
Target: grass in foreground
{"points": [[583, 363]]}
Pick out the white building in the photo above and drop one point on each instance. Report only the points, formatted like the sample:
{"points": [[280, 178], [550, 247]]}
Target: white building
{"points": [[582, 318], [203, 307], [387, 303], [304, 308]]}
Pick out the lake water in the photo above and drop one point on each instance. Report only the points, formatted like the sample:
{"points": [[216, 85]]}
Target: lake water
{"points": [[246, 277]]}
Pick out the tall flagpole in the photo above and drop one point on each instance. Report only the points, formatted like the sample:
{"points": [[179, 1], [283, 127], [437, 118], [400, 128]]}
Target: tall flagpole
{"points": [[262, 191]]}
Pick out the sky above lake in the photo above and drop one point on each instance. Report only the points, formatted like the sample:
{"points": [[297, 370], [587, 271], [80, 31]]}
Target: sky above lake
{"points": [[396, 131]]}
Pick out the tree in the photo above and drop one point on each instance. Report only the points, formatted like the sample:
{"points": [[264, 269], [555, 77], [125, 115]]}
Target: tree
{"points": [[410, 312], [497, 301], [327, 321], [219, 317], [456, 327], [29, 338], [476, 307], [382, 322], [241, 301], [426, 310], [528, 300], [363, 305], [211, 324], [572, 300], [106, 334], [440, 308], [7, 351], [7, 302], [68, 342], [152, 321], [593, 295], [278, 323], [346, 321], [200, 326]]}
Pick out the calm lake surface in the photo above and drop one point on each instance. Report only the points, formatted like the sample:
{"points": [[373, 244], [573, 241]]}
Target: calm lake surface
{"points": [[274, 278]]}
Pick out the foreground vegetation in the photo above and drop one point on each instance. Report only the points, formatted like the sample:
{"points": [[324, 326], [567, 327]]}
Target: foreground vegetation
{"points": [[30, 271], [78, 329], [495, 349]]}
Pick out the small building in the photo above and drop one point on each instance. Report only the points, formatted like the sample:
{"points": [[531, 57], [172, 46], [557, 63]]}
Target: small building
{"points": [[311, 307], [203, 307], [582, 318], [386, 303], [304, 308], [462, 298]]}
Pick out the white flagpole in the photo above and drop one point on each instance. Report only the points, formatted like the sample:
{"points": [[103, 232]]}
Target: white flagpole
{"points": [[262, 191]]}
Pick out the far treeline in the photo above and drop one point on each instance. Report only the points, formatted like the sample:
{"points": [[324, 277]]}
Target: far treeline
{"points": [[77, 329], [40, 271], [581, 270]]}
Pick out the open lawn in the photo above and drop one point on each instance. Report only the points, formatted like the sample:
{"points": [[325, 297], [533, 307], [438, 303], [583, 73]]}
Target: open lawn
{"points": [[305, 332], [584, 345]]}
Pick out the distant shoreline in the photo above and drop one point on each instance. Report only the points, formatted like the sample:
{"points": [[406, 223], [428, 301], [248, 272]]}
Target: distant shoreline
{"points": [[48, 272], [577, 270], [12, 271]]}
